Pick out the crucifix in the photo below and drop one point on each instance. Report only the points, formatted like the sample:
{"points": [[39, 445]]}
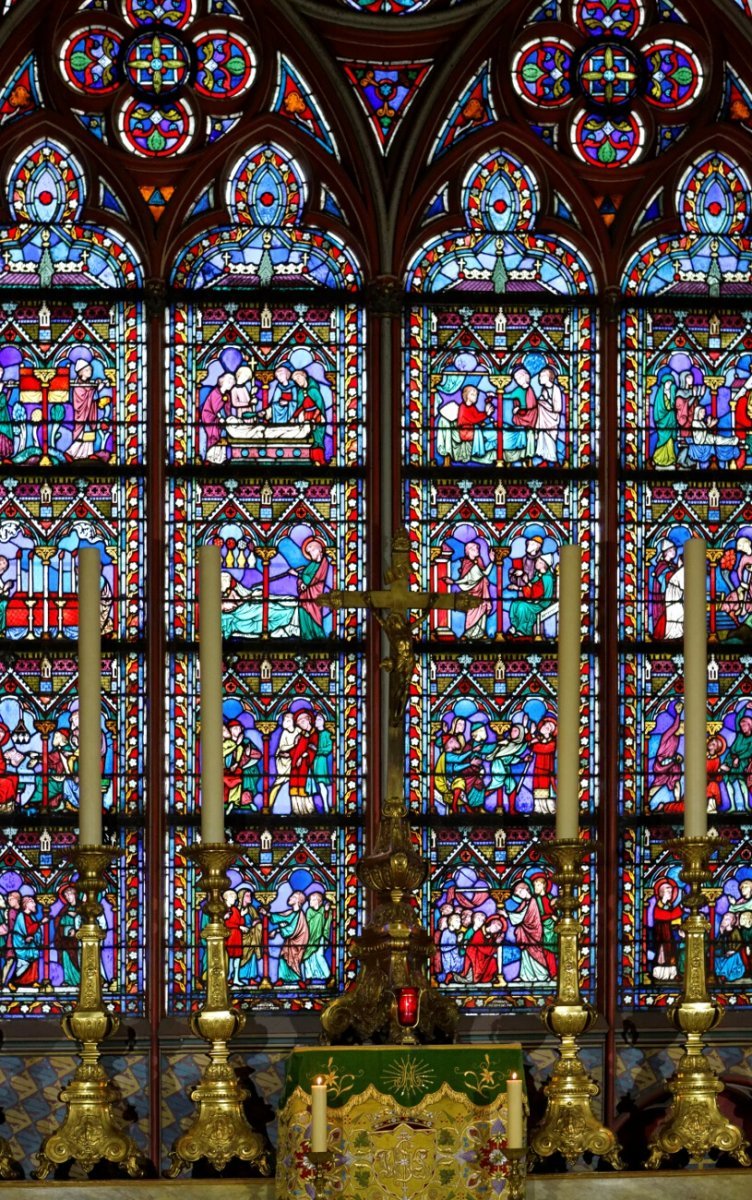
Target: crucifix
{"points": [[400, 612]]}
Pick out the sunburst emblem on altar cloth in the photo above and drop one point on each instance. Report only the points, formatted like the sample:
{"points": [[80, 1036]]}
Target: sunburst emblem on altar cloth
{"points": [[408, 1076]]}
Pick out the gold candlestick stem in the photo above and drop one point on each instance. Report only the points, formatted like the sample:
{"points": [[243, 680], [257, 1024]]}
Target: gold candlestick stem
{"points": [[322, 1162], [517, 1176], [92, 1127], [569, 1125], [219, 1131], [694, 1122]]}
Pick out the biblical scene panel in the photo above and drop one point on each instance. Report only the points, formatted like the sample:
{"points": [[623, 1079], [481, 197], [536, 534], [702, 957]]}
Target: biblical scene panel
{"points": [[283, 545], [44, 521], [686, 390], [499, 543], [652, 734], [41, 967], [482, 736], [267, 385], [653, 953], [293, 904], [500, 386], [294, 735], [71, 382], [657, 518], [39, 735], [490, 911]]}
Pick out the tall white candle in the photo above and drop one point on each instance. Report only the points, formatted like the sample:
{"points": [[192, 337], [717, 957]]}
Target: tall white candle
{"points": [[210, 658], [89, 698], [514, 1113], [695, 690], [319, 1120], [568, 694]]}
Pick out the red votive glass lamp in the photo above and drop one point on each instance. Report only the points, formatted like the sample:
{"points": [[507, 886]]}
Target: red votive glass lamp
{"points": [[408, 1005]]}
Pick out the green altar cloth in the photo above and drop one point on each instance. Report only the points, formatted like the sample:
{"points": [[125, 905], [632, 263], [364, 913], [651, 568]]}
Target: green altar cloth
{"points": [[405, 1122]]}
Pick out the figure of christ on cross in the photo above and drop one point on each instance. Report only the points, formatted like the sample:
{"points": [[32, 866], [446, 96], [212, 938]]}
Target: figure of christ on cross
{"points": [[392, 607]]}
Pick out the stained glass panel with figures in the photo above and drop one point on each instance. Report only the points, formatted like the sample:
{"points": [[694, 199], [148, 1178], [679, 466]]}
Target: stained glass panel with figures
{"points": [[283, 544], [657, 518], [500, 386], [489, 910], [39, 735], [41, 968], [71, 382], [482, 736], [267, 385], [686, 389], [499, 542], [294, 739], [293, 905], [44, 521], [651, 911]]}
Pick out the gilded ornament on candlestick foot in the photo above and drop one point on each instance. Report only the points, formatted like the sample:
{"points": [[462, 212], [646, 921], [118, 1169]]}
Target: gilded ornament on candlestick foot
{"points": [[517, 1173], [569, 1125], [322, 1161], [9, 1168], [392, 950], [695, 1123], [92, 1128], [219, 1131]]}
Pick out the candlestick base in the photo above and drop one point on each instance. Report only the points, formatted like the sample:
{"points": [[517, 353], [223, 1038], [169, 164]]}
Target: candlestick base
{"points": [[9, 1168], [569, 1126], [219, 1131], [695, 1123], [517, 1175], [322, 1160], [92, 1128]]}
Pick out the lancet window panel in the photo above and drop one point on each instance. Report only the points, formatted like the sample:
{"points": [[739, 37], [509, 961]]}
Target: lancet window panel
{"points": [[652, 961], [652, 750], [482, 736], [71, 381], [283, 543], [294, 736], [489, 909], [686, 385], [45, 519], [39, 735], [277, 384], [499, 541], [500, 386], [293, 904], [41, 969], [657, 518]]}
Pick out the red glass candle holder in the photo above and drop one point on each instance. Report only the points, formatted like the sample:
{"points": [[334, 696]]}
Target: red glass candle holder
{"points": [[408, 1006]]}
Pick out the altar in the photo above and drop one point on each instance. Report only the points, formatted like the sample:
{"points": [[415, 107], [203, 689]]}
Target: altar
{"points": [[404, 1122]]}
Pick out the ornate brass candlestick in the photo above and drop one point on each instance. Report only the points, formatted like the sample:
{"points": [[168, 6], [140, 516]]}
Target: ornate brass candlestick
{"points": [[694, 1122], [92, 1128], [516, 1179], [322, 1162], [569, 1125], [219, 1131]]}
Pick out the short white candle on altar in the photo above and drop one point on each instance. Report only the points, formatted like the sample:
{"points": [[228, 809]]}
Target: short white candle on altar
{"points": [[210, 661], [695, 690], [319, 1114], [568, 695], [514, 1113], [89, 697]]}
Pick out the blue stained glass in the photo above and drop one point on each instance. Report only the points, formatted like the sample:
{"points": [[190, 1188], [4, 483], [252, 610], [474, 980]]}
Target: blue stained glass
{"points": [[473, 110], [108, 200], [204, 203]]}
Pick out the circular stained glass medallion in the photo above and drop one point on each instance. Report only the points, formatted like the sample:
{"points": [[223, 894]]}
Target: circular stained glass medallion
{"points": [[609, 75], [175, 13], [157, 63], [609, 18], [608, 142], [542, 72], [156, 130], [226, 65], [674, 75], [89, 61]]}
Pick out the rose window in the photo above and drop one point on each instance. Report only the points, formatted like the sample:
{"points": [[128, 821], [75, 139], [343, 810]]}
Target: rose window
{"points": [[606, 78], [167, 78]]}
